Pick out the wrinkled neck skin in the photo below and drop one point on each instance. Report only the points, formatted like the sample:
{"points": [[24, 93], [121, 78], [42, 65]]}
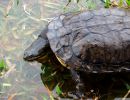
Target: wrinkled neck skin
{"points": [[52, 60]]}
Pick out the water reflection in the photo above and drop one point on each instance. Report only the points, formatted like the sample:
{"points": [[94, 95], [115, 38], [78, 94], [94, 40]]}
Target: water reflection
{"points": [[61, 78], [101, 86]]}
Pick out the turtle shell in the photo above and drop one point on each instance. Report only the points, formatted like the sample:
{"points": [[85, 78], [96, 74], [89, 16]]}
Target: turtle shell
{"points": [[94, 40]]}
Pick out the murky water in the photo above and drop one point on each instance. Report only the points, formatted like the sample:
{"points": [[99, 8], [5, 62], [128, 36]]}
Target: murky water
{"points": [[17, 24], [20, 23]]}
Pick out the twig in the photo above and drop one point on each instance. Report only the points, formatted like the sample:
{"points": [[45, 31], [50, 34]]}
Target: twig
{"points": [[126, 95]]}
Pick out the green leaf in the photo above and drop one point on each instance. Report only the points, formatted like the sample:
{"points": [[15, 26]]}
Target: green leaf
{"points": [[107, 3], [58, 90], [128, 2], [127, 86], [2, 65]]}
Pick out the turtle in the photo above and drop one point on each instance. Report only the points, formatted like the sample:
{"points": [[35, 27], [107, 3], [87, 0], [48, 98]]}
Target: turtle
{"points": [[93, 41]]}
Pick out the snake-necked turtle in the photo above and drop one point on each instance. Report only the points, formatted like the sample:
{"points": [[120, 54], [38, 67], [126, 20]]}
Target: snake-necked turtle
{"points": [[96, 41]]}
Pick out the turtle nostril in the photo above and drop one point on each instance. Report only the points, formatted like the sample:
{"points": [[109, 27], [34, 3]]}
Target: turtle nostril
{"points": [[26, 54]]}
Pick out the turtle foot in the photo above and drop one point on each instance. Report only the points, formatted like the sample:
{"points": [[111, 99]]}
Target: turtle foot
{"points": [[76, 95], [80, 87]]}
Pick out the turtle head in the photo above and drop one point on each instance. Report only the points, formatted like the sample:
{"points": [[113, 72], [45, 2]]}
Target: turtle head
{"points": [[39, 49]]}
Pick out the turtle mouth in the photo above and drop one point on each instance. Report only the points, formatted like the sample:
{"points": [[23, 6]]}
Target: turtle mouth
{"points": [[41, 56], [34, 58]]}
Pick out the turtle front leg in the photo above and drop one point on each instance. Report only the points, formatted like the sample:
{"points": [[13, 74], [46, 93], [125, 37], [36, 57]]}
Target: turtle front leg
{"points": [[79, 84]]}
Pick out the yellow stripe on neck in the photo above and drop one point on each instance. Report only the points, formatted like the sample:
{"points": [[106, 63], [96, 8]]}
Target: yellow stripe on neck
{"points": [[61, 61]]}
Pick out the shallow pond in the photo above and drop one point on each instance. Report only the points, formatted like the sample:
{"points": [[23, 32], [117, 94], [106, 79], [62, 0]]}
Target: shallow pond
{"points": [[21, 21]]}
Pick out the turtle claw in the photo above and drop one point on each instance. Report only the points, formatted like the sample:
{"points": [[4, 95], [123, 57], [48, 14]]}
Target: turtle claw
{"points": [[79, 84], [79, 95], [76, 95], [80, 90]]}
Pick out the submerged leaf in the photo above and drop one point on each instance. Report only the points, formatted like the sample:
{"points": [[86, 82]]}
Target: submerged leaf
{"points": [[44, 97], [58, 90], [7, 85], [68, 2], [77, 1], [9, 7], [17, 2]]}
